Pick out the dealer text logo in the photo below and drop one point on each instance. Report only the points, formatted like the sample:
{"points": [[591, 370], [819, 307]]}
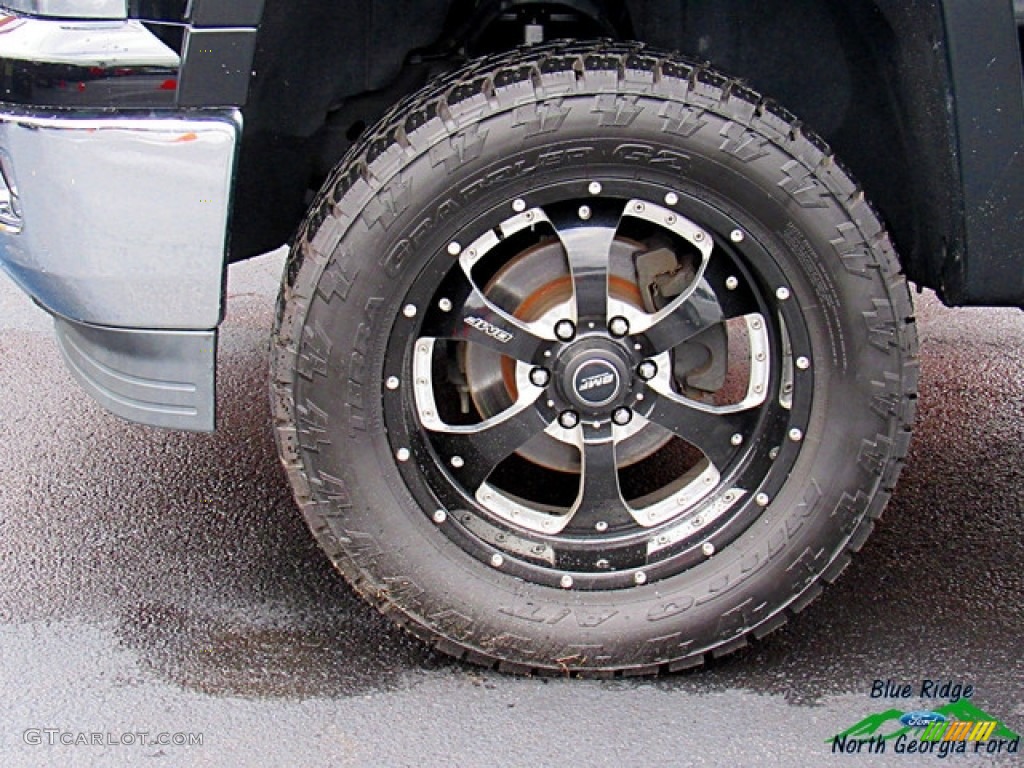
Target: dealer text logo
{"points": [[956, 727]]}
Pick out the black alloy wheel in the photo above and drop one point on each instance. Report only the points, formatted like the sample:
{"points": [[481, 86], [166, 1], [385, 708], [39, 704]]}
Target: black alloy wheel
{"points": [[554, 417]]}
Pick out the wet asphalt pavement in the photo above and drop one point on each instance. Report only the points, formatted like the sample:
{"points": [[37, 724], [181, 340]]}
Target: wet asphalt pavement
{"points": [[163, 583]]}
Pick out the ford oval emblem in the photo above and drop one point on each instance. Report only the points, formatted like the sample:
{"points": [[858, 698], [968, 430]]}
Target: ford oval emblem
{"points": [[922, 718]]}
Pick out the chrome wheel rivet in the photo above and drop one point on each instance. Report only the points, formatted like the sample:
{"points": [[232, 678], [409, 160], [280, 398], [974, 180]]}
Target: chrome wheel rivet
{"points": [[585, 212], [803, 363], [736, 235], [732, 283], [402, 454], [569, 419], [458, 462], [707, 548], [518, 206], [622, 416], [671, 198], [566, 581], [565, 330], [454, 249], [618, 326], [409, 310], [698, 237], [647, 370], [540, 377], [796, 435], [445, 305], [762, 499], [782, 293], [600, 526], [392, 382], [773, 454], [439, 516], [640, 577], [736, 439], [595, 188], [639, 207], [497, 560]]}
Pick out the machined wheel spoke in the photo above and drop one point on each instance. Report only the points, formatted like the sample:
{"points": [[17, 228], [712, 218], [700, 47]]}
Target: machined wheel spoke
{"points": [[599, 505], [684, 319], [588, 247], [474, 451], [467, 315], [717, 433]]}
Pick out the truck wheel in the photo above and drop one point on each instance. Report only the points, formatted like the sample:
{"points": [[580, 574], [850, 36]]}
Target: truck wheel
{"points": [[589, 358]]}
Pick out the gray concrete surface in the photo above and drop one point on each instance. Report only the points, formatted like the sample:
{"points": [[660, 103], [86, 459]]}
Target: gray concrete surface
{"points": [[163, 583]]}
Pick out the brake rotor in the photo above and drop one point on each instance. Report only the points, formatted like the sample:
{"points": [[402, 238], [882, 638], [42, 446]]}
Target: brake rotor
{"points": [[533, 284]]}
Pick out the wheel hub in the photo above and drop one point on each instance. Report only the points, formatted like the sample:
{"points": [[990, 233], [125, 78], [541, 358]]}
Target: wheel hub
{"points": [[594, 376]]}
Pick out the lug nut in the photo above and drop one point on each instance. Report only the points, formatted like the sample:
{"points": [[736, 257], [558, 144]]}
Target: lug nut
{"points": [[565, 330], [618, 326], [622, 416], [569, 419], [647, 370], [540, 377]]}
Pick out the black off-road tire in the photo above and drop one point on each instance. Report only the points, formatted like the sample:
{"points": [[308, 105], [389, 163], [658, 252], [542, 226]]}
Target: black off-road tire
{"points": [[388, 226]]}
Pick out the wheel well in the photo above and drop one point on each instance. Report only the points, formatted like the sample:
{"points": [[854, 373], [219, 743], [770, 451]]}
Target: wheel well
{"points": [[869, 76]]}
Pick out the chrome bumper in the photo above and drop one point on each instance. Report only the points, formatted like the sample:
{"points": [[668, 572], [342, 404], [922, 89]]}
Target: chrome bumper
{"points": [[116, 223], [118, 220]]}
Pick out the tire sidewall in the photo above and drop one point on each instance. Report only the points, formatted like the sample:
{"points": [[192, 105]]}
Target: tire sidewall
{"points": [[383, 537]]}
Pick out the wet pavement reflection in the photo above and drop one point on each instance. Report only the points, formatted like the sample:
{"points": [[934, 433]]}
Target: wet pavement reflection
{"points": [[184, 562]]}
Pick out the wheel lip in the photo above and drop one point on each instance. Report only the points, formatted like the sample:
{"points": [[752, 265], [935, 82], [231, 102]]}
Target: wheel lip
{"points": [[676, 556]]}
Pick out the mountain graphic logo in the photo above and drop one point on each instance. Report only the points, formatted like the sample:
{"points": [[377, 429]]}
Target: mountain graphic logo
{"points": [[887, 726]]}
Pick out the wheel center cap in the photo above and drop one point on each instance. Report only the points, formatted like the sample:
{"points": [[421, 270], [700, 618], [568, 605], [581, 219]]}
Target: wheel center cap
{"points": [[593, 376], [596, 382]]}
